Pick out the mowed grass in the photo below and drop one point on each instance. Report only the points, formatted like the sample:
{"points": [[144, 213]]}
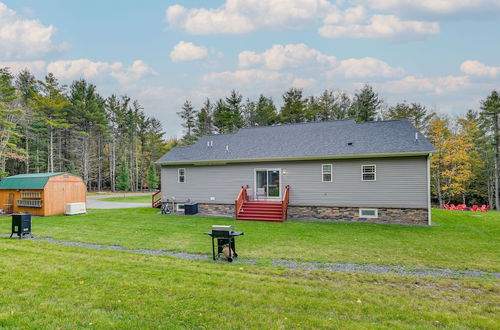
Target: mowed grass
{"points": [[128, 199], [457, 240], [56, 287]]}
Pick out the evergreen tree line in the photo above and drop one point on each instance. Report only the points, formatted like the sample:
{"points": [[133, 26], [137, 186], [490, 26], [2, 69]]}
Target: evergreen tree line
{"points": [[46, 126], [464, 167]]}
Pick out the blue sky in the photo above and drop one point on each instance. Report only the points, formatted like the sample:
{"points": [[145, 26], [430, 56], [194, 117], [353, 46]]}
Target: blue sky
{"points": [[441, 53]]}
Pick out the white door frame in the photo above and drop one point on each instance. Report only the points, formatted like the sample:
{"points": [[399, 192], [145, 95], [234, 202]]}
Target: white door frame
{"points": [[255, 183]]}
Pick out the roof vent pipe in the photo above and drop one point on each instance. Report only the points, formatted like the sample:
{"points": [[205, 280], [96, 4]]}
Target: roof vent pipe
{"points": [[416, 136], [227, 148]]}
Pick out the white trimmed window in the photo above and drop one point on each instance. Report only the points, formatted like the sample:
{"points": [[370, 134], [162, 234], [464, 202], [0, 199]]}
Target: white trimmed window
{"points": [[179, 207], [181, 175], [368, 173], [368, 213], [326, 173]]}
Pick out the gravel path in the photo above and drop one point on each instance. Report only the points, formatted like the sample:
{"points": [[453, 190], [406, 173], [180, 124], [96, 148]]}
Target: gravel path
{"points": [[95, 202], [293, 264]]}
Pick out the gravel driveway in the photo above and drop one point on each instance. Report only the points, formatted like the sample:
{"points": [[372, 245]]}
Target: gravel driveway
{"points": [[95, 202], [293, 264]]}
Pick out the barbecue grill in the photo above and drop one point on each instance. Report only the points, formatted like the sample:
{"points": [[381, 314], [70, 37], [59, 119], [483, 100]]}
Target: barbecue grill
{"points": [[225, 236]]}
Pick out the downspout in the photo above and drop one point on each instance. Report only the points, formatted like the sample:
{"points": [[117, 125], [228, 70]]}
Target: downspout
{"points": [[429, 210]]}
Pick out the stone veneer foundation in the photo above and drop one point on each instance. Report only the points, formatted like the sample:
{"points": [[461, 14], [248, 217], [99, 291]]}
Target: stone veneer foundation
{"points": [[405, 216]]}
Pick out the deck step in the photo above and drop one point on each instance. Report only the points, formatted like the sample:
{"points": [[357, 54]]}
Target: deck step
{"points": [[260, 219], [261, 211]]}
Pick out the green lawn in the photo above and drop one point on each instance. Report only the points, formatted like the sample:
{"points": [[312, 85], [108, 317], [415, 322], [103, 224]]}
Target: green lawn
{"points": [[457, 240], [56, 287], [49, 286], [128, 199]]}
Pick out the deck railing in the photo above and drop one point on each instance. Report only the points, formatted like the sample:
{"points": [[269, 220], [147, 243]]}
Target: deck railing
{"points": [[242, 197], [284, 204], [156, 199]]}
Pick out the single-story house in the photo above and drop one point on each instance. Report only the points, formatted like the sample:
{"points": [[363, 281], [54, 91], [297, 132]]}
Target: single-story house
{"points": [[41, 193], [326, 171]]}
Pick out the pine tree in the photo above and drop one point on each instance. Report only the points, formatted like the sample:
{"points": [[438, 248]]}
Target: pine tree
{"points": [[312, 109], [490, 117], [152, 177], [50, 105], [416, 113], [265, 111], [366, 105], [9, 116], [188, 115], [292, 110], [234, 106], [123, 176], [204, 125], [222, 117], [26, 85], [249, 113]]}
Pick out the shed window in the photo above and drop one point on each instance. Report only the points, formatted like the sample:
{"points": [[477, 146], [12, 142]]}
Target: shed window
{"points": [[326, 171], [181, 178], [368, 213], [368, 173]]}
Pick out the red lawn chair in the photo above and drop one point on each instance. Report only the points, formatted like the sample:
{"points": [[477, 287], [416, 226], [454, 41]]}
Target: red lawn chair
{"points": [[461, 207], [474, 208], [446, 207], [484, 208], [453, 207]]}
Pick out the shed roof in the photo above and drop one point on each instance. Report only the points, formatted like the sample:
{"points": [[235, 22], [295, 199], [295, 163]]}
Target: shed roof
{"points": [[340, 138], [27, 181]]}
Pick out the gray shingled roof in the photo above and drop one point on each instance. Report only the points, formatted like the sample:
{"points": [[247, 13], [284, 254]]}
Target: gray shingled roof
{"points": [[318, 139]]}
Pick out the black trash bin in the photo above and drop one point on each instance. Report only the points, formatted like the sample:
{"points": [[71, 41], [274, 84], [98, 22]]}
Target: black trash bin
{"points": [[21, 224], [190, 208]]}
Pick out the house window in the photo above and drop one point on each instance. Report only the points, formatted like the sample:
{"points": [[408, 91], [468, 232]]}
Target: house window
{"points": [[368, 173], [368, 213], [326, 171], [181, 177], [179, 207]]}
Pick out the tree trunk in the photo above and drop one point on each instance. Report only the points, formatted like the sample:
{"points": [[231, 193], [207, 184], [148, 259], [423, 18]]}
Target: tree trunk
{"points": [[26, 147], [497, 156], [112, 165], [99, 165], [51, 151]]}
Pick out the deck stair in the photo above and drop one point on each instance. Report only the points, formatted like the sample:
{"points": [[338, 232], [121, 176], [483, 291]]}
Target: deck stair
{"points": [[275, 211], [156, 200], [263, 211]]}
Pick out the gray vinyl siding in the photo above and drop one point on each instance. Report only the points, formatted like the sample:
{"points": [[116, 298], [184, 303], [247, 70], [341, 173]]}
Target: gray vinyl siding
{"points": [[400, 182]]}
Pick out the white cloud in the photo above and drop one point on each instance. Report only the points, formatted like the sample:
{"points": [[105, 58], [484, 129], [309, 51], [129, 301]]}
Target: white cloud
{"points": [[476, 68], [187, 51], [278, 57], [434, 85], [24, 38], [301, 56], [364, 68], [243, 16], [442, 7], [380, 26], [254, 81], [136, 71], [84, 68], [303, 83], [242, 78], [35, 67]]}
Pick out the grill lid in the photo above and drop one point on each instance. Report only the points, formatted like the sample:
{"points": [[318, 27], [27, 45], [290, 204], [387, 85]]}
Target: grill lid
{"points": [[222, 228]]}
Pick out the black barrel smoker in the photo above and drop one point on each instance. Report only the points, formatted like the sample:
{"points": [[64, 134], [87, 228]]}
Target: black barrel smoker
{"points": [[226, 245], [21, 224]]}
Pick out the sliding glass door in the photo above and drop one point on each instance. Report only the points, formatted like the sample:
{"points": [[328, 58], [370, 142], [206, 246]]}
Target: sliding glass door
{"points": [[267, 184]]}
